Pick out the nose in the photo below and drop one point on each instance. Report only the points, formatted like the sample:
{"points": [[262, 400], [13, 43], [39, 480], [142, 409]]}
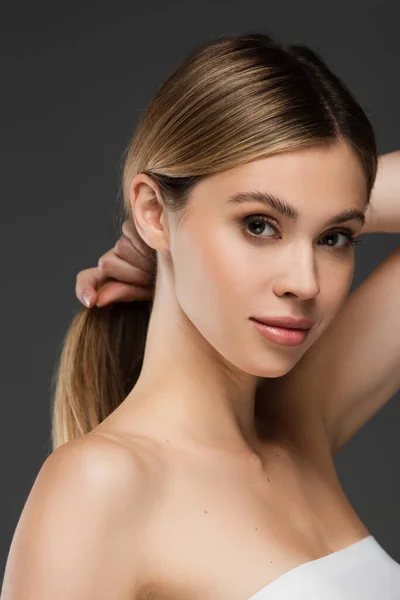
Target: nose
{"points": [[298, 275]]}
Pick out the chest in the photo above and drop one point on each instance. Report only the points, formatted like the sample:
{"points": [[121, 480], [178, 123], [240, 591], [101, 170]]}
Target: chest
{"points": [[224, 531]]}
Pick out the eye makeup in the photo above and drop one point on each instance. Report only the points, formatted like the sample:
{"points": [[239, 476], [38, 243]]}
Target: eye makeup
{"points": [[259, 219]]}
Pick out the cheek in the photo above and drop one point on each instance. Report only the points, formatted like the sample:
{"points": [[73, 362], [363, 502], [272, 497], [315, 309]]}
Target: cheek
{"points": [[335, 289], [212, 282]]}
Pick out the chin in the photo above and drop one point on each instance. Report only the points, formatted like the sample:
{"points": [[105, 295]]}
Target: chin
{"points": [[275, 368]]}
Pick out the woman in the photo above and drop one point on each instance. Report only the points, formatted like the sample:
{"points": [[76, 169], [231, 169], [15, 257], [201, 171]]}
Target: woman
{"points": [[193, 445]]}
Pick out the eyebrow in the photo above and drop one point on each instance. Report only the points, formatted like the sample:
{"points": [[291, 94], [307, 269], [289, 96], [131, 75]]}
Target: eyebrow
{"points": [[289, 211]]}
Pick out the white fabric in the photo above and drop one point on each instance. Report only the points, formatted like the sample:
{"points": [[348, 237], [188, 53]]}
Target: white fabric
{"points": [[362, 571]]}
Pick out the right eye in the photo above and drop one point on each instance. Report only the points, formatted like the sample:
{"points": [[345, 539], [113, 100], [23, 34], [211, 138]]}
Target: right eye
{"points": [[257, 223]]}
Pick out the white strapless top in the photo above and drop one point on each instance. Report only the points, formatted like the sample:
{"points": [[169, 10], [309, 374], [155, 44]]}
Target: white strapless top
{"points": [[361, 571]]}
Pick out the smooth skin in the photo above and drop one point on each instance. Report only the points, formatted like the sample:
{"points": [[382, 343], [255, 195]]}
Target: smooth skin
{"points": [[147, 505]]}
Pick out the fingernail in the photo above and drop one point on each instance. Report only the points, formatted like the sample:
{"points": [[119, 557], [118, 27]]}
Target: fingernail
{"points": [[86, 299]]}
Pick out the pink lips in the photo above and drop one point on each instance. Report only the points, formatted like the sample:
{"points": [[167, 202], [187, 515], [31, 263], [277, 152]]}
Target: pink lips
{"points": [[289, 322], [281, 335]]}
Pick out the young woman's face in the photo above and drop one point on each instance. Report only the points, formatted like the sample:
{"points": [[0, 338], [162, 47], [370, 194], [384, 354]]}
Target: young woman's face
{"points": [[237, 260]]}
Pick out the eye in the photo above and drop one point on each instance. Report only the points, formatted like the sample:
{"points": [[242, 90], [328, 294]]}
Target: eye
{"points": [[349, 239], [258, 223]]}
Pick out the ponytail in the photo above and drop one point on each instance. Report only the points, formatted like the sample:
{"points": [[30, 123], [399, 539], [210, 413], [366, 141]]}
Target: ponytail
{"points": [[100, 362]]}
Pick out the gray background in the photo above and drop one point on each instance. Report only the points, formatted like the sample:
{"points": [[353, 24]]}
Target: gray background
{"points": [[74, 81]]}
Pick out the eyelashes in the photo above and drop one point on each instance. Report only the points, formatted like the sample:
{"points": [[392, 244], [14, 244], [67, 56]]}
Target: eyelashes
{"points": [[244, 223]]}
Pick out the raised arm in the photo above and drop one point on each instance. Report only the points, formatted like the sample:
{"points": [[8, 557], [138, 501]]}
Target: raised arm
{"points": [[383, 215]]}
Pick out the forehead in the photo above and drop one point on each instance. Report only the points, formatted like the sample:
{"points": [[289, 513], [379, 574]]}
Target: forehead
{"points": [[326, 175]]}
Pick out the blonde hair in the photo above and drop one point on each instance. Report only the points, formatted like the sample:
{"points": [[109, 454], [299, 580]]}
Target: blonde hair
{"points": [[234, 100]]}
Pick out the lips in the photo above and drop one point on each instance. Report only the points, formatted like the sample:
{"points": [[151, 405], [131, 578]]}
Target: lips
{"points": [[288, 322], [284, 336]]}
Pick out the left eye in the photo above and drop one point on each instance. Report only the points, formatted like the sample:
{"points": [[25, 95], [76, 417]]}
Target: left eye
{"points": [[348, 237]]}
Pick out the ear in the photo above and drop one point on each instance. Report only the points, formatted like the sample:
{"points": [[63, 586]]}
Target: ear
{"points": [[149, 212]]}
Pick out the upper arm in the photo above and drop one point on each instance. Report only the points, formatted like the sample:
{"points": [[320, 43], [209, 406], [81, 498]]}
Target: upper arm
{"points": [[383, 212], [78, 535], [352, 370]]}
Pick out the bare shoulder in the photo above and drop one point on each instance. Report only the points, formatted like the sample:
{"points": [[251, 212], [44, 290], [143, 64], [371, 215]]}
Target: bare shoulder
{"points": [[103, 458], [82, 530], [99, 467]]}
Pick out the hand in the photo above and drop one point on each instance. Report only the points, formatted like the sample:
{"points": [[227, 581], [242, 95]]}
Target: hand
{"points": [[124, 274]]}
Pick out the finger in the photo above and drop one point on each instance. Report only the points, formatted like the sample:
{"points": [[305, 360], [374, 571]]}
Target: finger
{"points": [[131, 233], [87, 282], [111, 265], [115, 291], [125, 250]]}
